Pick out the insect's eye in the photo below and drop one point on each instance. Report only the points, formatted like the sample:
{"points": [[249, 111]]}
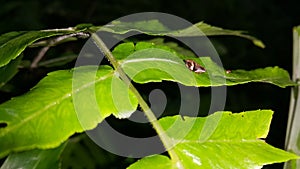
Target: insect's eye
{"points": [[193, 66]]}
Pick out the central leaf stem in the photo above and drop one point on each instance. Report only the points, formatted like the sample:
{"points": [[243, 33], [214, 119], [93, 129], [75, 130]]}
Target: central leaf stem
{"points": [[147, 110]]}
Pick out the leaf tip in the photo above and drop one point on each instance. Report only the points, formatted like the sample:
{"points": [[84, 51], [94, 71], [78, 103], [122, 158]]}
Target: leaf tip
{"points": [[259, 43]]}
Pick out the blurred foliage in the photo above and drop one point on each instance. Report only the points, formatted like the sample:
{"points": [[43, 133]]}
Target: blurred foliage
{"points": [[269, 20]]}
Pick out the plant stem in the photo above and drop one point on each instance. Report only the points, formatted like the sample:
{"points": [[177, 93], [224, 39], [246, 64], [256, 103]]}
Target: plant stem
{"points": [[147, 110], [39, 57], [293, 127]]}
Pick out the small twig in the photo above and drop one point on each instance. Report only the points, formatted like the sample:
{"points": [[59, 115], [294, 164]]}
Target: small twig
{"points": [[39, 57], [53, 42]]}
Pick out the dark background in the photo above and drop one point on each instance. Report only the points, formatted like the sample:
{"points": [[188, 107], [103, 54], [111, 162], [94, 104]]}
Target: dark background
{"points": [[269, 20]]}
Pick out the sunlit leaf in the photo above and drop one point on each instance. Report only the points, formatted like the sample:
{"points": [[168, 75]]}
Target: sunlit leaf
{"points": [[221, 140], [52, 111], [146, 62]]}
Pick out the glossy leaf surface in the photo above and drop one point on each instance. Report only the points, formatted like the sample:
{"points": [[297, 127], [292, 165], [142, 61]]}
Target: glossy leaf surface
{"points": [[221, 140], [147, 62], [53, 111]]}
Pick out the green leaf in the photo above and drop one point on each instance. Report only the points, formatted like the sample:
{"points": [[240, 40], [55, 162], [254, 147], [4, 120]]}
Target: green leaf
{"points": [[46, 116], [156, 28], [35, 159], [209, 30], [12, 44], [9, 71], [273, 75], [221, 140], [146, 62], [10, 35], [172, 45], [150, 27], [152, 162]]}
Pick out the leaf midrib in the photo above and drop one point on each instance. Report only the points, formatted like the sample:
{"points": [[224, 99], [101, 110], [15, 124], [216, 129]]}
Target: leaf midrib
{"points": [[149, 60]]}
